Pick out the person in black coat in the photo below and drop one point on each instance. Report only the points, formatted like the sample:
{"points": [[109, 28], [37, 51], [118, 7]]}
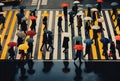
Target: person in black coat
{"points": [[95, 36], [24, 26], [78, 55], [65, 43], [30, 50], [2, 21], [45, 22], [60, 24], [33, 25], [87, 27], [99, 7], [45, 41], [50, 41], [105, 49], [79, 22], [11, 52], [112, 50], [93, 17], [20, 41], [75, 8], [65, 11], [89, 12], [71, 19], [87, 50]]}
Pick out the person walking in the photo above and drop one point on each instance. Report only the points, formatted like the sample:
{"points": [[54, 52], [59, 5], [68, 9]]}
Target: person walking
{"points": [[95, 36], [65, 44], [24, 26], [50, 41], [93, 17], [45, 22], [20, 41], [75, 8], [71, 19], [45, 41], [87, 50], [113, 50], [30, 50], [33, 25], [105, 49], [11, 52], [79, 23], [87, 27], [60, 24]]}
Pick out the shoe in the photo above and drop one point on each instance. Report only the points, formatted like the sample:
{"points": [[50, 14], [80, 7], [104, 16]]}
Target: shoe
{"points": [[40, 49]]}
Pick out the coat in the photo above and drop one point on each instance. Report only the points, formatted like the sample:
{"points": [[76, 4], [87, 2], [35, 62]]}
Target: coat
{"points": [[65, 42]]}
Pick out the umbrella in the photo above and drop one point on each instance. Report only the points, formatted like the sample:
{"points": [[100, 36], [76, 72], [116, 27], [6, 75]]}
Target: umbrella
{"points": [[21, 34], [19, 15], [87, 18], [71, 12], [31, 33], [117, 37], [33, 18], [104, 40], [76, 2], [95, 27], [88, 41], [11, 44], [58, 15], [23, 47], [78, 47], [22, 7], [49, 32], [94, 9], [1, 4], [64, 5], [77, 38], [45, 14], [1, 12], [24, 19], [88, 5], [30, 40], [80, 13], [99, 0], [33, 9], [114, 4], [101, 19]]}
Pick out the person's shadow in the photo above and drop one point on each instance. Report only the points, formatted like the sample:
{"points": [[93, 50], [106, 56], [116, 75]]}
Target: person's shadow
{"points": [[66, 68], [30, 66], [47, 66], [78, 71]]}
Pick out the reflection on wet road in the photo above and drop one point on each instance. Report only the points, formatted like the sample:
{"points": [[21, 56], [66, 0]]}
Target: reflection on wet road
{"points": [[58, 70]]}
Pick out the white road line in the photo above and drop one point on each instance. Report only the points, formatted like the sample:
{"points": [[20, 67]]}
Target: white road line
{"points": [[105, 32], [75, 26], [55, 38], [83, 36], [70, 43], [34, 2], [111, 31], [37, 27], [44, 2], [38, 6], [49, 28]]}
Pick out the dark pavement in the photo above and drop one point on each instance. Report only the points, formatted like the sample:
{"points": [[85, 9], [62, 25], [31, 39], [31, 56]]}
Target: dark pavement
{"points": [[59, 70]]}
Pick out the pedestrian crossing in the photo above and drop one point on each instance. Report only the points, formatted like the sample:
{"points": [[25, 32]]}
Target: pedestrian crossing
{"points": [[9, 34]]}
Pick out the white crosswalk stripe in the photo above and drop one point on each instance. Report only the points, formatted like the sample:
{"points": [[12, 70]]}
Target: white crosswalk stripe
{"points": [[34, 2]]}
